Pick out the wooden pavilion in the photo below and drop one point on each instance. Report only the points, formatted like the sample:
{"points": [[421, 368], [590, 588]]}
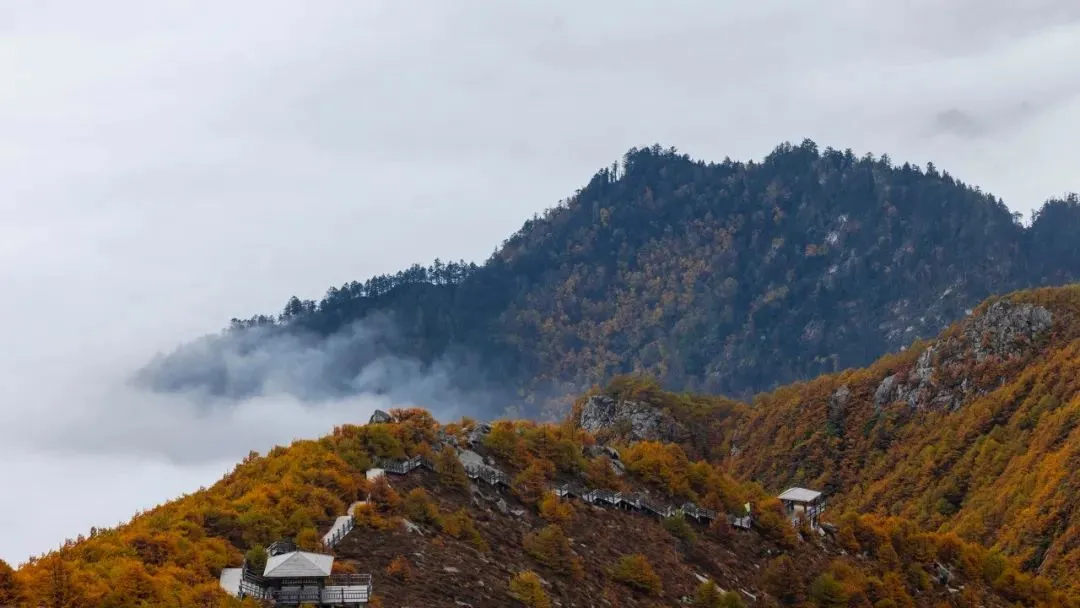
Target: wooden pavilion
{"points": [[292, 578]]}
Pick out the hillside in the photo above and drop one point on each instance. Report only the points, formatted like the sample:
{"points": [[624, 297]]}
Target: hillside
{"points": [[726, 278], [940, 433], [472, 544], [973, 432]]}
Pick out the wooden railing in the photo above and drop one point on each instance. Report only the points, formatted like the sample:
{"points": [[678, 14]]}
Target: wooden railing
{"points": [[335, 538], [334, 589], [631, 501], [487, 474], [402, 467], [321, 595]]}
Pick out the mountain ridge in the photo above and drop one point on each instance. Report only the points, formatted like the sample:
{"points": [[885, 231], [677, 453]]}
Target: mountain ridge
{"points": [[727, 278]]}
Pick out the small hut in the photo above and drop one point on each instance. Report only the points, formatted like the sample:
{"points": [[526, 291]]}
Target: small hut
{"points": [[292, 577], [803, 503]]}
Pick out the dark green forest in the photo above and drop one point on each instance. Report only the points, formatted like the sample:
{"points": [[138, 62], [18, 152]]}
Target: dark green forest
{"points": [[730, 277]]}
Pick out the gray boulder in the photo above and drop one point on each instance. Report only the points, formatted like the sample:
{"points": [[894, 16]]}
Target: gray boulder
{"points": [[380, 417], [640, 421], [1005, 328], [476, 435]]}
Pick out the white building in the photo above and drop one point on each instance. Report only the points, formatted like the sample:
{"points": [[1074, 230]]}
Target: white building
{"points": [[802, 503]]}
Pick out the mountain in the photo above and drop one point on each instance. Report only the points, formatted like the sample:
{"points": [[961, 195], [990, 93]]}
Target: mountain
{"points": [[973, 433], [727, 278], [434, 537]]}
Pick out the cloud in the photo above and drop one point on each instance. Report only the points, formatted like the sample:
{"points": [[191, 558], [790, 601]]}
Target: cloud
{"points": [[958, 122], [166, 166], [217, 371]]}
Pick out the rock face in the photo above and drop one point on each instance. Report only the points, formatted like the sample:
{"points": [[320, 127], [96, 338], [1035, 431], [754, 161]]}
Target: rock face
{"points": [[638, 421], [380, 417], [838, 403], [1005, 328], [1002, 332], [476, 435]]}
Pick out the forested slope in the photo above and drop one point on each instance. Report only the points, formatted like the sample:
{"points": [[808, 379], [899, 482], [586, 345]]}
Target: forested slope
{"points": [[974, 432], [728, 278], [488, 547]]}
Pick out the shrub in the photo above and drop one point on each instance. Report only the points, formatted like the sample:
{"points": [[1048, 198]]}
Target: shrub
{"points": [[600, 474], [309, 540], [896, 590], [256, 558], [710, 596], [450, 470], [531, 483], [721, 529], [783, 580], [419, 508], [680, 529], [558, 445], [367, 516], [10, 592], [526, 588], [340, 567], [555, 510], [827, 592], [636, 572], [399, 568], [504, 441], [551, 548], [461, 526], [774, 524], [660, 463], [385, 498], [845, 533]]}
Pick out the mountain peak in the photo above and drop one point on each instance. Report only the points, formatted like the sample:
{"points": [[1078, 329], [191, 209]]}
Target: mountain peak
{"points": [[728, 278]]}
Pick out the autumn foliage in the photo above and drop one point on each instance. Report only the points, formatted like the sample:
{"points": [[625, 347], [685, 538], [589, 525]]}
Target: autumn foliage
{"points": [[419, 508], [1011, 433], [526, 588], [710, 596], [551, 548], [556, 510], [636, 572], [174, 553], [400, 568], [10, 589]]}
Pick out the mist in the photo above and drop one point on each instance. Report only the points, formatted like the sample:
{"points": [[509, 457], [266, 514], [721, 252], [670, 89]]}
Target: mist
{"points": [[90, 447], [363, 360]]}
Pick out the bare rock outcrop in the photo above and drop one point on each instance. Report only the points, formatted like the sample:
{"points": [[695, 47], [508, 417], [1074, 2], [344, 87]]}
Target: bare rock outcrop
{"points": [[941, 377], [838, 403], [478, 432], [637, 421], [380, 417], [609, 417], [1005, 328]]}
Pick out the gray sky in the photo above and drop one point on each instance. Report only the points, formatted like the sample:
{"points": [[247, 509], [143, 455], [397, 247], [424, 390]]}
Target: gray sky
{"points": [[165, 166]]}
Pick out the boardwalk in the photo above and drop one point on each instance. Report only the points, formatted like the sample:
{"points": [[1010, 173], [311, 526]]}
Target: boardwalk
{"points": [[342, 526], [634, 502]]}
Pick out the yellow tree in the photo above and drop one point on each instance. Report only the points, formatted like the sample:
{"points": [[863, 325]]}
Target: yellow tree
{"points": [[10, 588]]}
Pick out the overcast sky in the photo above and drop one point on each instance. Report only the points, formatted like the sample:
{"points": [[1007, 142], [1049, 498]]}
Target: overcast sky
{"points": [[165, 166]]}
